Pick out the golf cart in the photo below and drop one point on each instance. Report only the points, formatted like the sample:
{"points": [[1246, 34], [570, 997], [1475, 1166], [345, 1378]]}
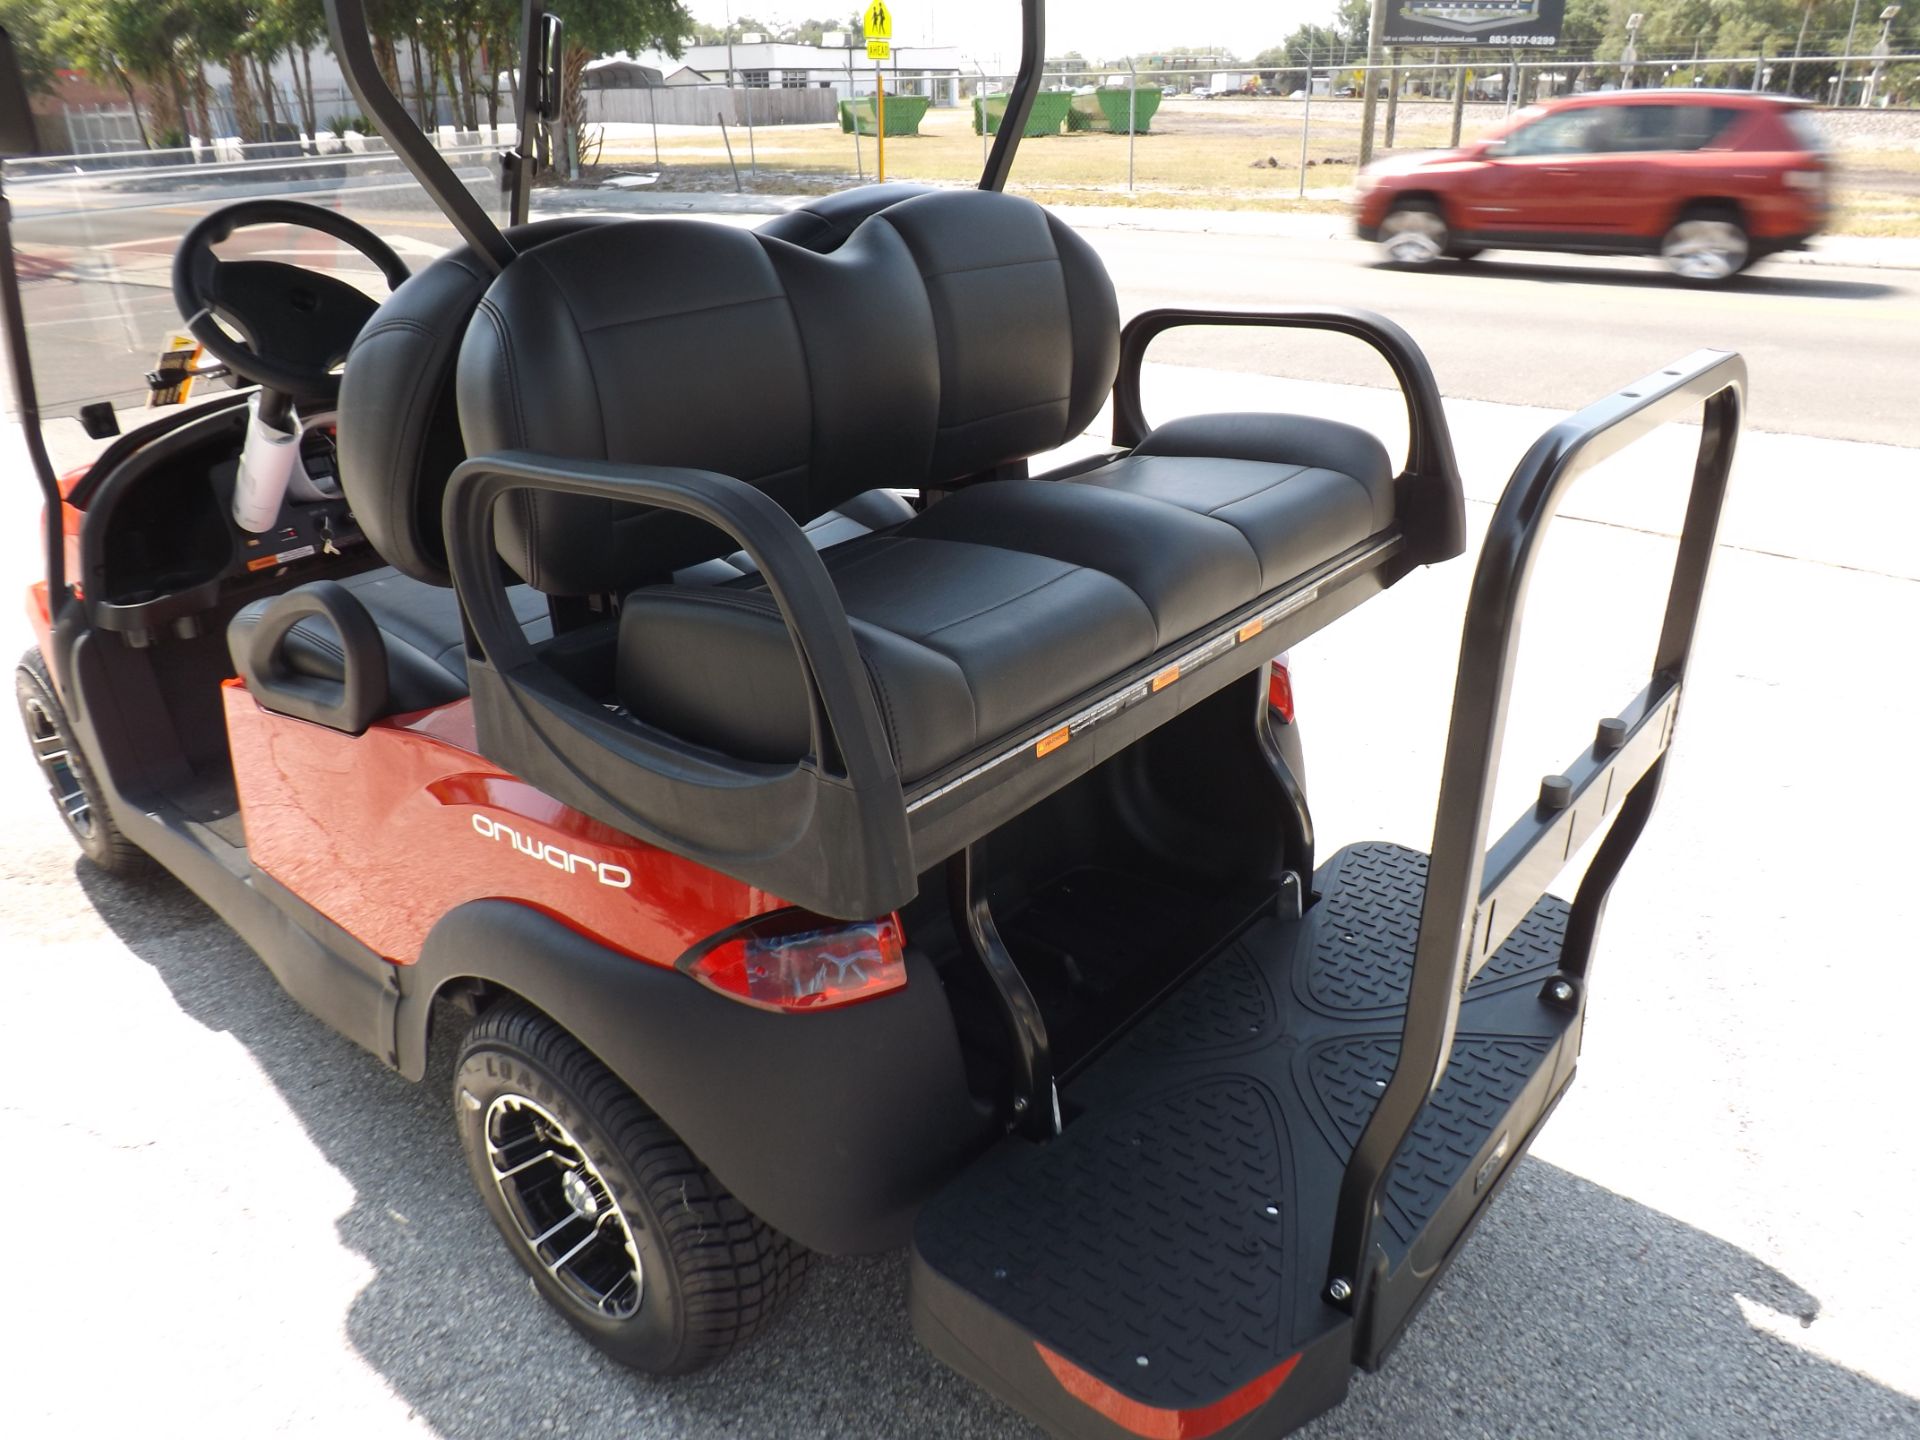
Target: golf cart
{"points": [[833, 825]]}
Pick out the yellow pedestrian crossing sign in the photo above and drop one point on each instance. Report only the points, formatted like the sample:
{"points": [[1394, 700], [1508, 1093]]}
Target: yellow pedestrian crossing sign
{"points": [[878, 25]]}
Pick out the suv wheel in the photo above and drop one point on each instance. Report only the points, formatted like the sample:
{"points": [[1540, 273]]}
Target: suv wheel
{"points": [[1707, 246], [1414, 233], [624, 1232], [69, 782]]}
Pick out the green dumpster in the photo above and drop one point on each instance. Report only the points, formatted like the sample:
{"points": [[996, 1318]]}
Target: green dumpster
{"points": [[1049, 113], [904, 114], [1105, 109]]}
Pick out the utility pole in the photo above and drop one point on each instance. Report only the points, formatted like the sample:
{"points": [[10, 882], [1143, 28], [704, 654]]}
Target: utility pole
{"points": [[1376, 23], [1793, 70], [1840, 87]]}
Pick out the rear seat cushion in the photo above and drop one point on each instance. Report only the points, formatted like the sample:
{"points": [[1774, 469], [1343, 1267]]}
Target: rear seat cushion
{"points": [[963, 641], [1300, 490]]}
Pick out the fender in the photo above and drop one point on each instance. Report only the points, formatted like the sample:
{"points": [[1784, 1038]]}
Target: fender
{"points": [[832, 1127]]}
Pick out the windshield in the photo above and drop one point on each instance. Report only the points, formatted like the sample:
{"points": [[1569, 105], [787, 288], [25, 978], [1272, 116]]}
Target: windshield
{"points": [[95, 237]]}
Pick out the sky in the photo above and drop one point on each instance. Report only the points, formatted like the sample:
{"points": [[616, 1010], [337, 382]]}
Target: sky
{"points": [[989, 30]]}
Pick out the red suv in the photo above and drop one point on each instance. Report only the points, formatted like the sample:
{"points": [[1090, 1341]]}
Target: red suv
{"points": [[1709, 180]]}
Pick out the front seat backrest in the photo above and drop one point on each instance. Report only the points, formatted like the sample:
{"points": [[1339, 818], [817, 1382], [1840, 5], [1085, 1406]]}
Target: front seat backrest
{"points": [[399, 425]]}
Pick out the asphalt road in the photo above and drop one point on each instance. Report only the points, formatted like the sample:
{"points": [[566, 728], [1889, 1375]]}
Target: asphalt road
{"points": [[226, 1221], [1833, 348]]}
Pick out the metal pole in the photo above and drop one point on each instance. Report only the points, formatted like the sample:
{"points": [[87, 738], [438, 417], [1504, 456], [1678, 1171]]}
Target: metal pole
{"points": [[1459, 102], [853, 116], [980, 108], [653, 114], [1133, 83], [729, 144], [753, 157], [1393, 97], [1306, 122], [880, 124]]}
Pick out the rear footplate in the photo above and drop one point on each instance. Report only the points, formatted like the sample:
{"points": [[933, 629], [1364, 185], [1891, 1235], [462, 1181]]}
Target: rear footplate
{"points": [[1157, 1270]]}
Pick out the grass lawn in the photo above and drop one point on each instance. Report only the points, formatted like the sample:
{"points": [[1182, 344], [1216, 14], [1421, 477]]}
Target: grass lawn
{"points": [[1221, 155]]}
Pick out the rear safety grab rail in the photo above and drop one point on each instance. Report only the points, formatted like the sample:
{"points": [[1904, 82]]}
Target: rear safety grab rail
{"points": [[1437, 523], [1474, 897], [849, 749]]}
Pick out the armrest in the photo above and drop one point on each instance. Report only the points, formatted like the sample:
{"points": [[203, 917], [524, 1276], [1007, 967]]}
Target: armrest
{"points": [[1431, 482], [830, 834], [259, 653]]}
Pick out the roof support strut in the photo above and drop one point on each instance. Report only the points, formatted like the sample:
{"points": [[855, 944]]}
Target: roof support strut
{"points": [[347, 27], [1026, 85]]}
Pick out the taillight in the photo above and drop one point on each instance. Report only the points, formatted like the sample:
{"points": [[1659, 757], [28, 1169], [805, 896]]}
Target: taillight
{"points": [[793, 961], [1280, 690]]}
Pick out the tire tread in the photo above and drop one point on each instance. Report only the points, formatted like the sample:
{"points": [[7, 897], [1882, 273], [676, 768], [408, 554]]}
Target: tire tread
{"points": [[735, 1270]]}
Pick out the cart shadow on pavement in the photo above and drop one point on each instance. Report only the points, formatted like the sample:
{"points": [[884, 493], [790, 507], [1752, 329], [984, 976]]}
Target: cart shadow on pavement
{"points": [[1573, 1311]]}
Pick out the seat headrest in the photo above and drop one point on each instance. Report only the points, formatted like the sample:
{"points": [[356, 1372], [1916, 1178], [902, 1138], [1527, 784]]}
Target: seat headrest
{"points": [[823, 224]]}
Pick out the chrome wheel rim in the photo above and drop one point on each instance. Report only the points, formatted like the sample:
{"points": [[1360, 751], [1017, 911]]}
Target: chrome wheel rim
{"points": [[563, 1208], [1413, 237], [1705, 249], [57, 768]]}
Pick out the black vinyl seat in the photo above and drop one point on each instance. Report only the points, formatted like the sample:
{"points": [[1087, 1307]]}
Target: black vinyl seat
{"points": [[682, 343], [989, 608], [420, 625], [1298, 488], [399, 442]]}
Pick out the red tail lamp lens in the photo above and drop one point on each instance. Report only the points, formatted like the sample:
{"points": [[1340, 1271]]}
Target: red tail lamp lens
{"points": [[1280, 690], [792, 961]]}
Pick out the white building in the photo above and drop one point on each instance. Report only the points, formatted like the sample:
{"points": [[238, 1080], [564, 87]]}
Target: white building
{"points": [[930, 70]]}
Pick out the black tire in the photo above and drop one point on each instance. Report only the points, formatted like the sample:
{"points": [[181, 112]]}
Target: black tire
{"points": [[710, 1273], [70, 783], [1463, 252]]}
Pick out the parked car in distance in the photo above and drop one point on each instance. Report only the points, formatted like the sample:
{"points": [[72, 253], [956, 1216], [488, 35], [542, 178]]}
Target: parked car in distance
{"points": [[1710, 181]]}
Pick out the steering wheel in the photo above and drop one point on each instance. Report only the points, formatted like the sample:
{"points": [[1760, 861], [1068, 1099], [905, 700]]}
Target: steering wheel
{"points": [[296, 324]]}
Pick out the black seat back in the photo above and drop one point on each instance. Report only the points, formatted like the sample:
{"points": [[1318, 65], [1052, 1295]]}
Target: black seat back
{"points": [[948, 334], [1028, 326], [399, 426]]}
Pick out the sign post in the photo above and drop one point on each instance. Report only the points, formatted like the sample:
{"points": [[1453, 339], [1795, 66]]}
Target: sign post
{"points": [[877, 24], [1509, 24]]}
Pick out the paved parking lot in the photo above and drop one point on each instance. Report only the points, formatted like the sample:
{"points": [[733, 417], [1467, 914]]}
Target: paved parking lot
{"points": [[226, 1221]]}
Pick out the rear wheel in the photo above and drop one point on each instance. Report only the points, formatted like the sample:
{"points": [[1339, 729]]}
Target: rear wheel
{"points": [[1414, 233], [75, 794], [623, 1231], [1707, 245]]}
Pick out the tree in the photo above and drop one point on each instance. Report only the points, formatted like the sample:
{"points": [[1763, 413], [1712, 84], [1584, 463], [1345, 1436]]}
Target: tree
{"points": [[599, 27], [27, 21]]}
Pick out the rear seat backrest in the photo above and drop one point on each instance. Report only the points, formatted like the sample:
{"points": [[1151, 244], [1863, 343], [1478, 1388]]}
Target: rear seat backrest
{"points": [[1029, 328], [673, 342], [949, 334]]}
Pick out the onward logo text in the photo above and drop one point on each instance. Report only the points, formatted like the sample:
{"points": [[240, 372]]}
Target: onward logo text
{"points": [[617, 876]]}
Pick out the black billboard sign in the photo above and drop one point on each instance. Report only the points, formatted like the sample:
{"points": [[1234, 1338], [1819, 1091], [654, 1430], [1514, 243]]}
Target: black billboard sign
{"points": [[1474, 22]]}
